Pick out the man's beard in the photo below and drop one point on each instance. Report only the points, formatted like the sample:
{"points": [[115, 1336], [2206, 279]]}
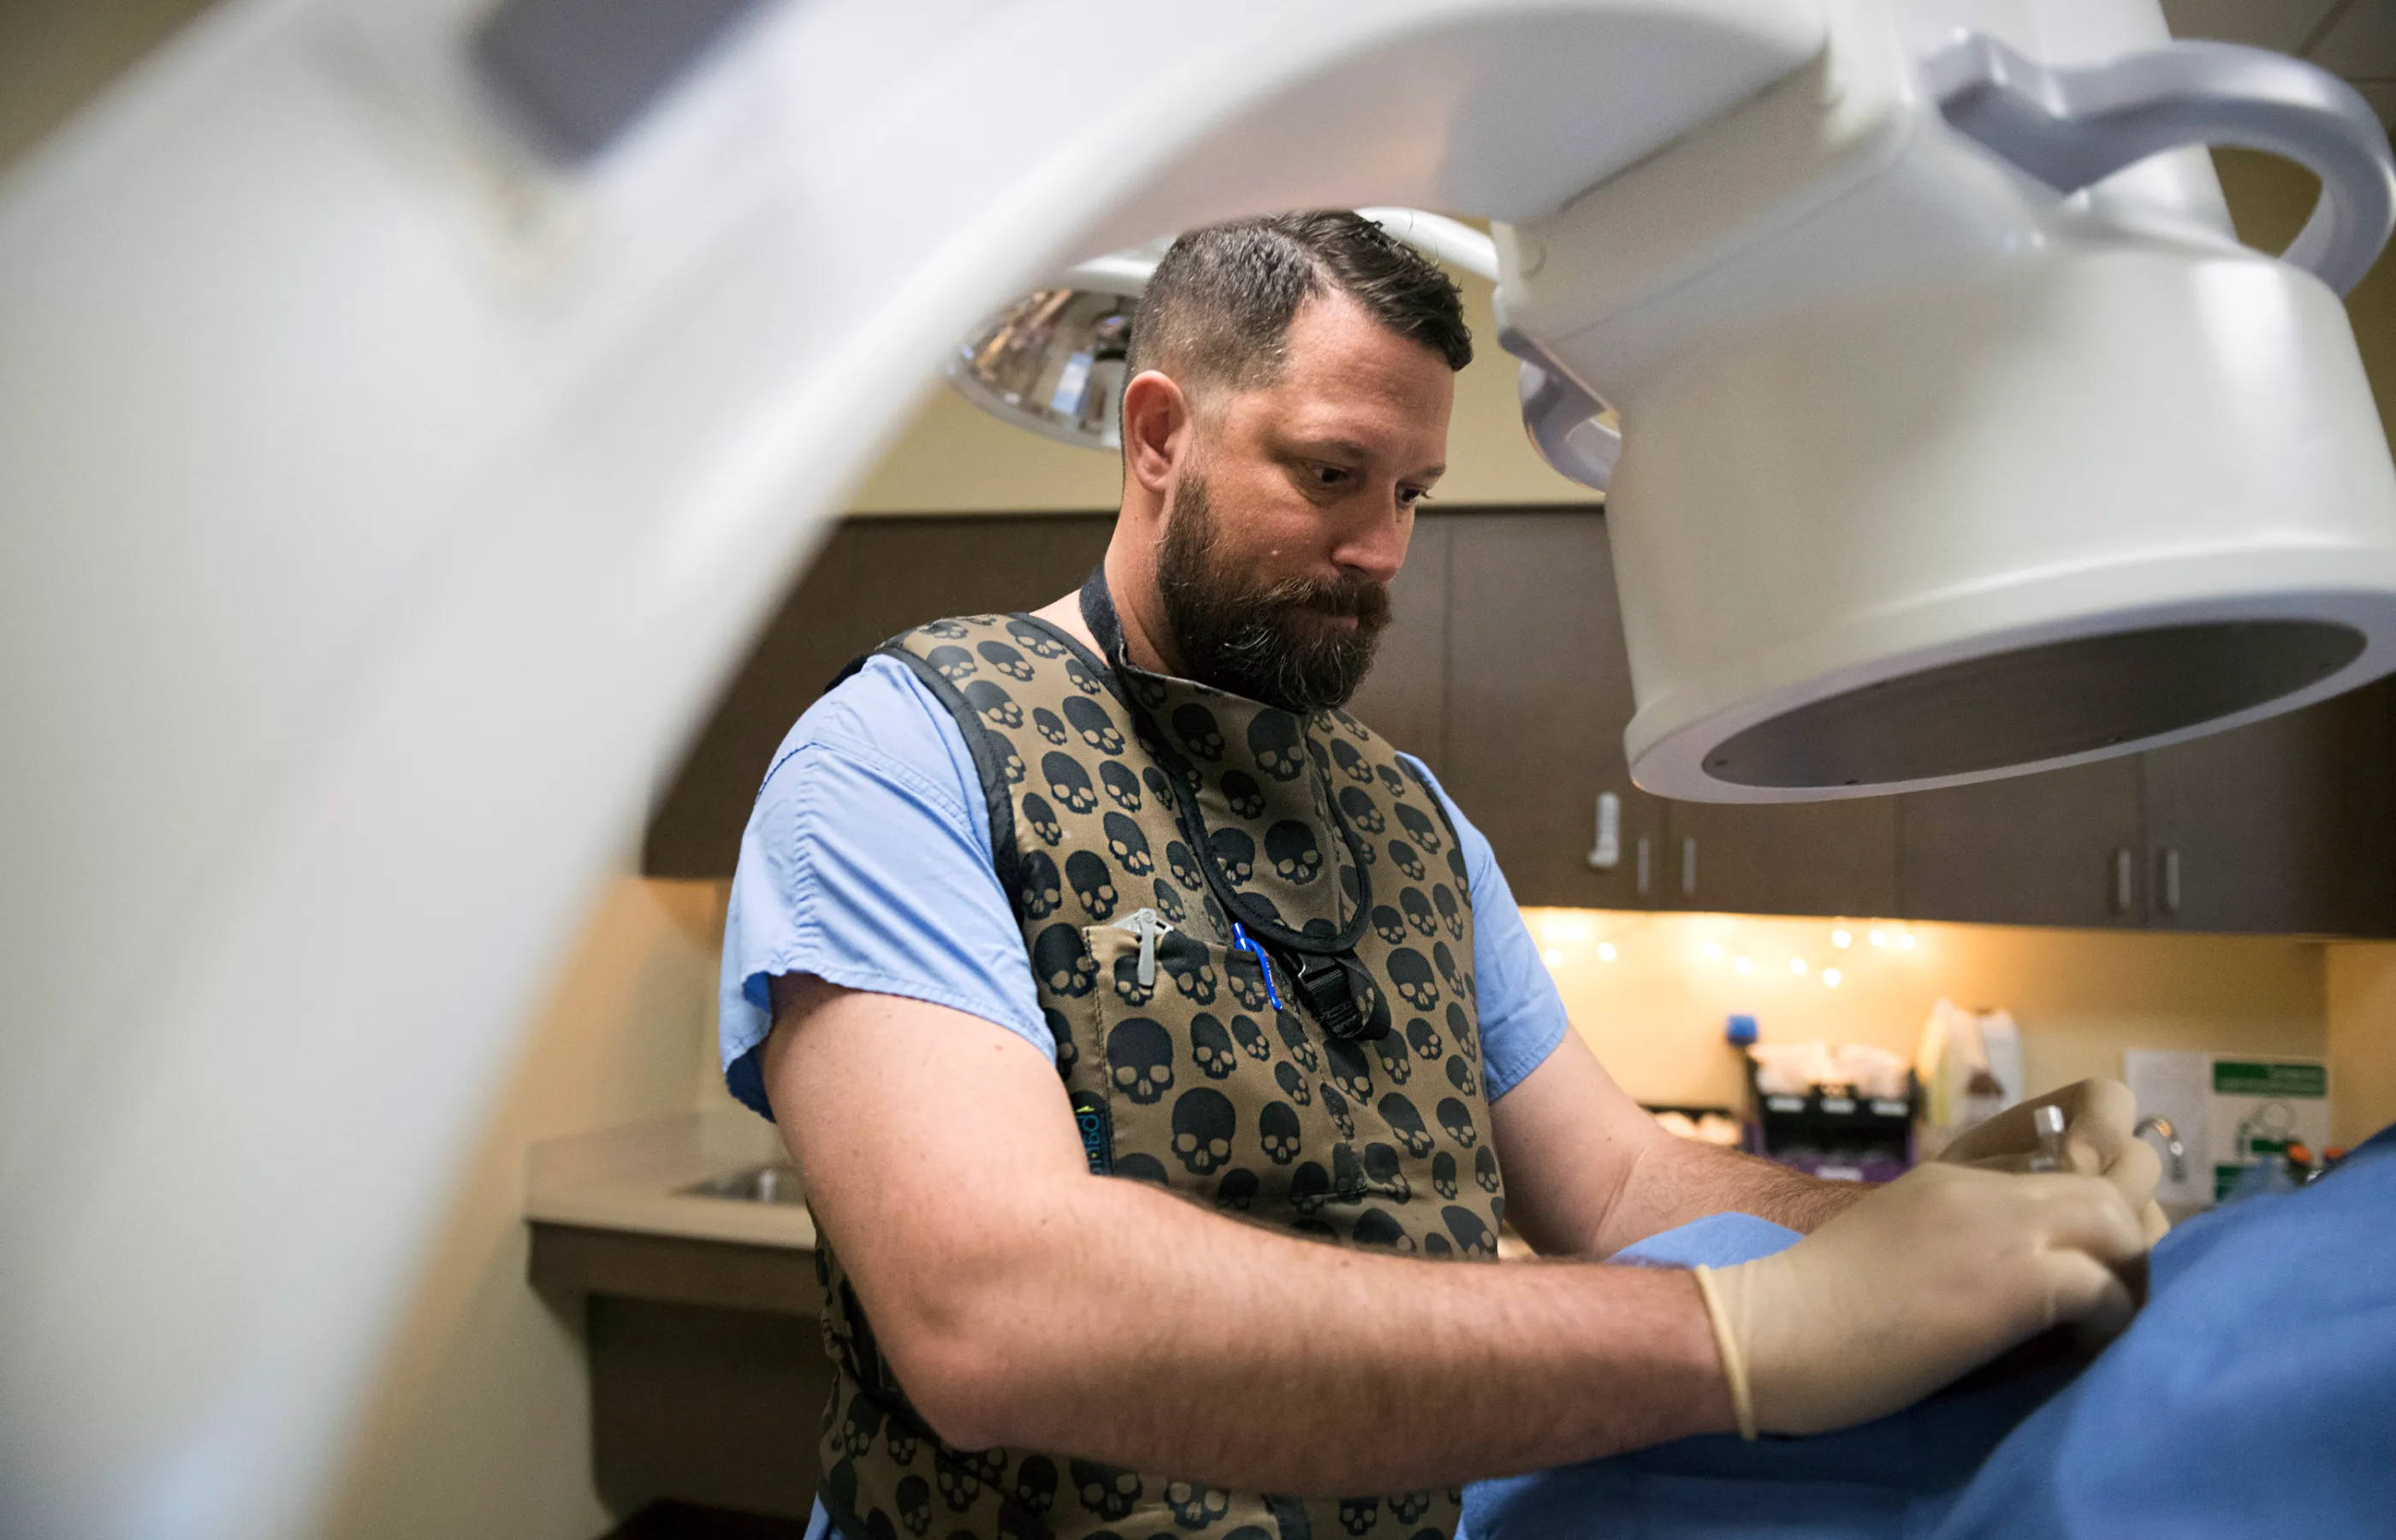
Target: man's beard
{"points": [[1279, 643]]}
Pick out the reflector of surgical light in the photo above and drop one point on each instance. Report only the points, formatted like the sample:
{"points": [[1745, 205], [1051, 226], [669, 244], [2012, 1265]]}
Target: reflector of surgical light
{"points": [[1053, 361]]}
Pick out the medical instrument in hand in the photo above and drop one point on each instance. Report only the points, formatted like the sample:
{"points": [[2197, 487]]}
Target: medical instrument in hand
{"points": [[1855, 1327], [2046, 1123], [411, 406]]}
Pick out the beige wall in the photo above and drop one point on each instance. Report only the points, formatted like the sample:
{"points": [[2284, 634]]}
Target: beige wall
{"points": [[2361, 998], [1655, 1014], [481, 1427], [955, 457], [2271, 201]]}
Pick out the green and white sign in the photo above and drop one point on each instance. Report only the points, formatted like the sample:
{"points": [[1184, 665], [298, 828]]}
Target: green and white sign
{"points": [[2230, 1110], [2260, 1106], [2270, 1078]]}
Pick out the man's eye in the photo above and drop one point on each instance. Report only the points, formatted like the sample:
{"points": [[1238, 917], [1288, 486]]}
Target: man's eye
{"points": [[1412, 497], [1329, 475]]}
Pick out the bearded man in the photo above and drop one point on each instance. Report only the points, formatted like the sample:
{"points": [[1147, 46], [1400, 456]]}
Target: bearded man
{"points": [[1164, 1053]]}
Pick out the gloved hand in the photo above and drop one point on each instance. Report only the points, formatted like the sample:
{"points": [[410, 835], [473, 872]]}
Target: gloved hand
{"points": [[1923, 1280], [2098, 1115]]}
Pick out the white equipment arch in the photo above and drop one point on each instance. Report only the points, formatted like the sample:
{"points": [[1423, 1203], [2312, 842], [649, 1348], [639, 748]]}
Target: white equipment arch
{"points": [[382, 504], [379, 501]]}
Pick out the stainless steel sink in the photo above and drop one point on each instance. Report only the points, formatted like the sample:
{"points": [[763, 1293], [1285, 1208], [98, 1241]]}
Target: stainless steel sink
{"points": [[775, 1182]]}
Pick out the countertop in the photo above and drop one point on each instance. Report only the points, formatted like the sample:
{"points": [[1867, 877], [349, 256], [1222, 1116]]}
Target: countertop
{"points": [[635, 1179]]}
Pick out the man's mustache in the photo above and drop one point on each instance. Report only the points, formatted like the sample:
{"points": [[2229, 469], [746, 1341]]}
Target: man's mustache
{"points": [[1355, 598]]}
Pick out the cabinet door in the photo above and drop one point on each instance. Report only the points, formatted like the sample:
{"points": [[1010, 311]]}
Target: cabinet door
{"points": [[1834, 858], [2054, 849], [1404, 697], [1539, 691], [871, 579], [2280, 825], [904, 572]]}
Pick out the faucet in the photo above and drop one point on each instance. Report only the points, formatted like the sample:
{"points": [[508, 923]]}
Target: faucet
{"points": [[2154, 1123]]}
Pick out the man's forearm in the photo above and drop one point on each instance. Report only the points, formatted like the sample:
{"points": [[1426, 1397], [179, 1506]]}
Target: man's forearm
{"points": [[1677, 1180], [1023, 1301], [1144, 1332]]}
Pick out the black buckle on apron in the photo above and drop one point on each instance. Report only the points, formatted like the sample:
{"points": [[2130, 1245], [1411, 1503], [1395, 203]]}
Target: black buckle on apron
{"points": [[1336, 998]]}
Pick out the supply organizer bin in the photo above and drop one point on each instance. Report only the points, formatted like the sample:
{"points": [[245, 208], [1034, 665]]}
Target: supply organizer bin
{"points": [[1831, 1131]]}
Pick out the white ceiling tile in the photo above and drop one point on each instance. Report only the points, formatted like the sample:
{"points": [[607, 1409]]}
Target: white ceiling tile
{"points": [[2362, 45], [2282, 24]]}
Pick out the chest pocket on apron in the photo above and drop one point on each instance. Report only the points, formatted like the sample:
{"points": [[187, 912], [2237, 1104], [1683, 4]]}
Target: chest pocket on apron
{"points": [[1213, 1092]]}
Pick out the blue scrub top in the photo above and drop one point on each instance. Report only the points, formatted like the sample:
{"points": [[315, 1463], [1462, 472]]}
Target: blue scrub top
{"points": [[867, 863]]}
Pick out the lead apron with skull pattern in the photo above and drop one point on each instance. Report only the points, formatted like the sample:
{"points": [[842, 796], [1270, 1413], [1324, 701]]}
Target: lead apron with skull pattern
{"points": [[1115, 793]]}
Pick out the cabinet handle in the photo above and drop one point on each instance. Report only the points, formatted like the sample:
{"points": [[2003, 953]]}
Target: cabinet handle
{"points": [[2167, 880], [2124, 873], [1689, 865], [1647, 853], [1605, 854]]}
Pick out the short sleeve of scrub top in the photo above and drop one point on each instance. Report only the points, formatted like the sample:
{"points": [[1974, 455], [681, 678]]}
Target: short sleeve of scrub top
{"points": [[867, 863]]}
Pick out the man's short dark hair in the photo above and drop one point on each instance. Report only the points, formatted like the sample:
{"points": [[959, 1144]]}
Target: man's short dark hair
{"points": [[1219, 307]]}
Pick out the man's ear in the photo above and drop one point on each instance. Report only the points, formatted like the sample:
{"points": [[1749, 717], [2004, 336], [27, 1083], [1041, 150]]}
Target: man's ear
{"points": [[1155, 428]]}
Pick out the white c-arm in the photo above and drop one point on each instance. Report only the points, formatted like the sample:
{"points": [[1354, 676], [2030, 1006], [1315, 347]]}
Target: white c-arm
{"points": [[383, 499]]}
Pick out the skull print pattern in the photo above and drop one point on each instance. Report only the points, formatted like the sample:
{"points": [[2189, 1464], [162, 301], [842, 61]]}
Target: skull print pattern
{"points": [[1217, 1087]]}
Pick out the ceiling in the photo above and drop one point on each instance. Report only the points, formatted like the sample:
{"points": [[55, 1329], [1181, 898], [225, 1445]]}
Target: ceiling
{"points": [[54, 53], [2353, 38]]}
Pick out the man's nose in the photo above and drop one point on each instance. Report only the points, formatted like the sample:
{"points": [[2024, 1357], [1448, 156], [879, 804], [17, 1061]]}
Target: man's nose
{"points": [[1375, 544]]}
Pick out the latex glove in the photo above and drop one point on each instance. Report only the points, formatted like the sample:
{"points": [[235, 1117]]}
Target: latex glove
{"points": [[2098, 1115], [1915, 1285]]}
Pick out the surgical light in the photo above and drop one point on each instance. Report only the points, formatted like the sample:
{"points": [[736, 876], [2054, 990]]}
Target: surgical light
{"points": [[1053, 361], [2155, 503]]}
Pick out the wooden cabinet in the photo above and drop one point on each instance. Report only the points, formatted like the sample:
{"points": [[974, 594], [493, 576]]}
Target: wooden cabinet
{"points": [[1834, 858], [708, 1375], [2062, 848], [1539, 691], [872, 579], [2284, 826], [1405, 698], [1504, 669], [2280, 825]]}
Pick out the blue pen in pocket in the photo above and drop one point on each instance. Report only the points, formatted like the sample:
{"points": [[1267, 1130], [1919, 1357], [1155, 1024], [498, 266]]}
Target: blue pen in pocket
{"points": [[1247, 943]]}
